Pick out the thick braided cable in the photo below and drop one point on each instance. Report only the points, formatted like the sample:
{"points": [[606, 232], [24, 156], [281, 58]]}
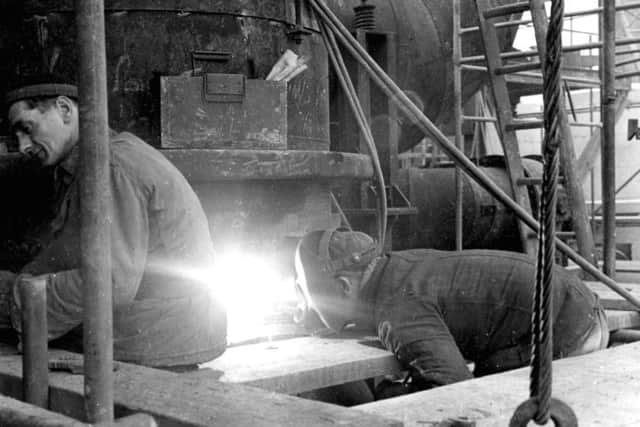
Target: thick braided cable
{"points": [[542, 349]]}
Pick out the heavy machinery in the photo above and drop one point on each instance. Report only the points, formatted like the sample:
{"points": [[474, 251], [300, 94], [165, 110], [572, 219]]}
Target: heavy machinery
{"points": [[261, 193]]}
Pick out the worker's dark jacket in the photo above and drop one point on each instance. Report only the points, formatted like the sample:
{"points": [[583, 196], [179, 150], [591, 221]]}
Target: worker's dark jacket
{"points": [[164, 311], [434, 309]]}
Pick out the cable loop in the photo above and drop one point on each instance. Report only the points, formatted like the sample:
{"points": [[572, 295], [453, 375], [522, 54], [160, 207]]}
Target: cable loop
{"points": [[560, 413]]}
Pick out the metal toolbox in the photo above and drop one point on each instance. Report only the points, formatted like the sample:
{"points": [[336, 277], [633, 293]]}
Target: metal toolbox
{"points": [[220, 111]]}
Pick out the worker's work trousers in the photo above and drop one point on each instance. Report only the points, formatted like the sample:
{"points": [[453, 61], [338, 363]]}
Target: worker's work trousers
{"points": [[594, 337]]}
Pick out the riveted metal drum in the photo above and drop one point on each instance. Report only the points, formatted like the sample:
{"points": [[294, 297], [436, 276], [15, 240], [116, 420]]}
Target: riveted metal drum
{"points": [[423, 30], [147, 39], [486, 222]]}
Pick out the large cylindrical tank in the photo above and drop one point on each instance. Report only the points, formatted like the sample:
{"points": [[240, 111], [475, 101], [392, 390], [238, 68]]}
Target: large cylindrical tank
{"points": [[424, 31], [147, 39], [487, 223]]}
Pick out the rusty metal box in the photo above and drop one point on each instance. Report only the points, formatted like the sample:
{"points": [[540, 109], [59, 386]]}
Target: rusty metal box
{"points": [[223, 111]]}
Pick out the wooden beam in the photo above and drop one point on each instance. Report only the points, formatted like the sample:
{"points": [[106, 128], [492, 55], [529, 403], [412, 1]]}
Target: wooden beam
{"points": [[622, 319], [611, 300], [301, 364], [179, 401], [602, 388]]}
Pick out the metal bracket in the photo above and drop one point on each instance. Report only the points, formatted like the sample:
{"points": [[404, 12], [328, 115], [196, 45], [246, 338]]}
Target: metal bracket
{"points": [[208, 55], [224, 87]]}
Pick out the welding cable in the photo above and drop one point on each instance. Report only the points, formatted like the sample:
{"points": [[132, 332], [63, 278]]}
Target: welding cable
{"points": [[389, 87], [347, 85]]}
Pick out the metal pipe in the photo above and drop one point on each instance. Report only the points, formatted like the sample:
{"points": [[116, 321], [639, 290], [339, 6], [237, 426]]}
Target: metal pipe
{"points": [[342, 73], [608, 100], [35, 357], [458, 114], [627, 75], [627, 52], [95, 241], [413, 113], [627, 62], [480, 119], [619, 189], [15, 413]]}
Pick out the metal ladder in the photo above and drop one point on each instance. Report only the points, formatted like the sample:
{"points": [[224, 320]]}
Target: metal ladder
{"points": [[497, 69]]}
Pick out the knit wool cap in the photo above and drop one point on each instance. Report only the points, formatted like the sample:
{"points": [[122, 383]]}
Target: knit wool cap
{"points": [[40, 85]]}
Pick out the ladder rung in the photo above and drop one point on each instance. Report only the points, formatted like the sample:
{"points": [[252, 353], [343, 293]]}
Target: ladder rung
{"points": [[480, 119], [524, 124], [565, 234], [535, 180], [506, 9], [529, 181], [586, 124], [391, 211], [515, 68], [505, 24], [473, 67], [627, 75]]}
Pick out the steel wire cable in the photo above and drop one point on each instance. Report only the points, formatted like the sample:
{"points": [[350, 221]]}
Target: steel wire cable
{"points": [[542, 343], [342, 73]]}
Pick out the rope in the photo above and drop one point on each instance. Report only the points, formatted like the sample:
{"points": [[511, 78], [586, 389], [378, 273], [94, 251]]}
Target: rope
{"points": [[542, 340], [342, 73]]}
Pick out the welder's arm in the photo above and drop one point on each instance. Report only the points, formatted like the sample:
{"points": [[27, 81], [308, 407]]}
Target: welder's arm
{"points": [[416, 333], [129, 242]]}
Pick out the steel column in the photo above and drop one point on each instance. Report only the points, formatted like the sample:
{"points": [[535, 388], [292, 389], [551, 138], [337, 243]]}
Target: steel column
{"points": [[608, 99], [95, 242], [458, 115], [35, 359]]}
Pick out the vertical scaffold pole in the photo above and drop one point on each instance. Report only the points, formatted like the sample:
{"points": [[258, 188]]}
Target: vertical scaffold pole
{"points": [[608, 99], [95, 242]]}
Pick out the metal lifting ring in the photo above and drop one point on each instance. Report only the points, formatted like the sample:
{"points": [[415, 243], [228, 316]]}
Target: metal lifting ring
{"points": [[561, 414]]}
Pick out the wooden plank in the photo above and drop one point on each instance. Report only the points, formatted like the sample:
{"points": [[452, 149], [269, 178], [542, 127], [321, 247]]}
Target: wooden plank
{"points": [[617, 319], [626, 271], [611, 300], [176, 400], [602, 388], [301, 364]]}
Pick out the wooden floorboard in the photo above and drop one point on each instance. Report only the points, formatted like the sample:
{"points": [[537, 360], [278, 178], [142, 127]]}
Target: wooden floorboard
{"points": [[301, 364], [178, 401], [603, 389], [617, 319], [610, 299]]}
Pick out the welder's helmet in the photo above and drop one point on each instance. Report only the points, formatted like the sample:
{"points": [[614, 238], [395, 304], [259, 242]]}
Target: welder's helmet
{"points": [[321, 257]]}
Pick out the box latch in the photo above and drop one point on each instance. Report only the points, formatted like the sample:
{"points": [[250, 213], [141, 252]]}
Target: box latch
{"points": [[224, 87]]}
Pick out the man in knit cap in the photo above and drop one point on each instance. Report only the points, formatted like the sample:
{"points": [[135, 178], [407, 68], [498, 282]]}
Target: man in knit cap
{"points": [[164, 311]]}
